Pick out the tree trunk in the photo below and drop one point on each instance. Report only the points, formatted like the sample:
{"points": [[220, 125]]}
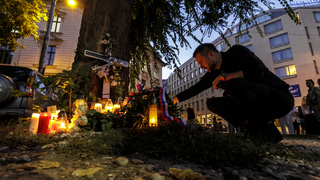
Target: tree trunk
{"points": [[99, 18]]}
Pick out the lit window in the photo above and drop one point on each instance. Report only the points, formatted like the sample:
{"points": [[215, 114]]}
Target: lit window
{"points": [[273, 27], [282, 55], [56, 24], [280, 40], [286, 71], [50, 55], [243, 39], [5, 54]]}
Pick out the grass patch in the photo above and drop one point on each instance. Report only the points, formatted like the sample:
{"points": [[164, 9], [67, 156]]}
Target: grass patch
{"points": [[169, 141]]}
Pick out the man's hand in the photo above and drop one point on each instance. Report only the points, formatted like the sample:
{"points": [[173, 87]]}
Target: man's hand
{"points": [[217, 82], [175, 100]]}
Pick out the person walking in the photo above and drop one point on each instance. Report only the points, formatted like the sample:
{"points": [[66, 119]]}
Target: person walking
{"points": [[256, 95], [287, 121], [313, 102], [302, 120]]}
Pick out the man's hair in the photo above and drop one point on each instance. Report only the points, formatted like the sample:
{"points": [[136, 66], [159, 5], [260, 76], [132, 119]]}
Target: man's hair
{"points": [[204, 49], [310, 81]]}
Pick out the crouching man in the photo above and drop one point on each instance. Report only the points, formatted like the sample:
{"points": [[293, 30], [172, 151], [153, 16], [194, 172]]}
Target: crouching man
{"points": [[255, 97]]}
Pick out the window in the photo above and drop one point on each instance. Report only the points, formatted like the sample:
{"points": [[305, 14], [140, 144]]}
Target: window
{"points": [[184, 87], [187, 68], [187, 77], [307, 32], [280, 40], [184, 70], [311, 49], [249, 47], [286, 71], [188, 85], [191, 75], [191, 83], [191, 66], [196, 80], [220, 46], [315, 66], [202, 106], [50, 55], [317, 16], [180, 89], [144, 70], [282, 55], [56, 23], [143, 82], [5, 54], [273, 27], [197, 102], [155, 73], [243, 39], [178, 83], [184, 79], [194, 63], [200, 70], [195, 71]]}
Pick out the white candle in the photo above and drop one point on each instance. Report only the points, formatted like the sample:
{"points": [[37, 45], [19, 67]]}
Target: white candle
{"points": [[34, 123], [98, 107]]}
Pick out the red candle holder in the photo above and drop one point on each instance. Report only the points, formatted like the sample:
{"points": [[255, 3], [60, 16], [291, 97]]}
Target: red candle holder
{"points": [[44, 122]]}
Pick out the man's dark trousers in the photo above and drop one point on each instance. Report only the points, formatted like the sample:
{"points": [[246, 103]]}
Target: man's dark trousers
{"points": [[251, 101]]}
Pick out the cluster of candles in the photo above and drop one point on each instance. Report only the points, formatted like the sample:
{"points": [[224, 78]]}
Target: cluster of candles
{"points": [[109, 106], [50, 122], [54, 121]]}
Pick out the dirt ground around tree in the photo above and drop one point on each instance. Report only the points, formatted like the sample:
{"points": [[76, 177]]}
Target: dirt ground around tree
{"points": [[16, 165]]}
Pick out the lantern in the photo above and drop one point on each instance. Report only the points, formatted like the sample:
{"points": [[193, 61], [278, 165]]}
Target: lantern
{"points": [[62, 122], [153, 112], [34, 123], [116, 107], [44, 121], [109, 106], [80, 100], [98, 107]]}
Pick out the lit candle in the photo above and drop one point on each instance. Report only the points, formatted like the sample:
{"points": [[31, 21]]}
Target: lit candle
{"points": [[62, 122], [44, 121], [98, 107], [116, 107], [153, 112], [109, 105], [34, 123]]}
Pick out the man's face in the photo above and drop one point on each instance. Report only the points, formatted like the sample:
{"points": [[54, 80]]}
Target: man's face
{"points": [[309, 84], [206, 62]]}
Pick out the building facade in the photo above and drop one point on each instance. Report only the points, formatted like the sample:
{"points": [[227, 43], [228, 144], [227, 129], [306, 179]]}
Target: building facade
{"points": [[290, 51], [62, 46]]}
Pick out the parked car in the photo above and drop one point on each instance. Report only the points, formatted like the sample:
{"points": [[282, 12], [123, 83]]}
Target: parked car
{"points": [[23, 79]]}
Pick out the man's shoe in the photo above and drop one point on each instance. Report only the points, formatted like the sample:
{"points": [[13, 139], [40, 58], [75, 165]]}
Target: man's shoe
{"points": [[267, 132], [270, 133]]}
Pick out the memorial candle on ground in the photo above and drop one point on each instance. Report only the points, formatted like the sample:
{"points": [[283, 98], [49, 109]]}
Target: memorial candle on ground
{"points": [[44, 121], [34, 123]]}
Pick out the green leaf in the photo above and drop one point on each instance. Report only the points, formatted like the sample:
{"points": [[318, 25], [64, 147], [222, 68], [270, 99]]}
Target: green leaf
{"points": [[103, 126], [91, 112], [74, 96], [103, 120], [109, 125]]}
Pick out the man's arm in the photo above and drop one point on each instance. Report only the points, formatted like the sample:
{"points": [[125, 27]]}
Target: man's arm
{"points": [[217, 82], [204, 83]]}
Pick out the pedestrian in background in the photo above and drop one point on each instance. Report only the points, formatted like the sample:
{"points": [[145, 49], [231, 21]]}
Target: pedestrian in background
{"points": [[313, 102], [302, 120], [287, 121]]}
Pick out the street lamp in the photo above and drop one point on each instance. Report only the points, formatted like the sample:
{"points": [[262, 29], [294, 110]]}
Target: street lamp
{"points": [[46, 40]]}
